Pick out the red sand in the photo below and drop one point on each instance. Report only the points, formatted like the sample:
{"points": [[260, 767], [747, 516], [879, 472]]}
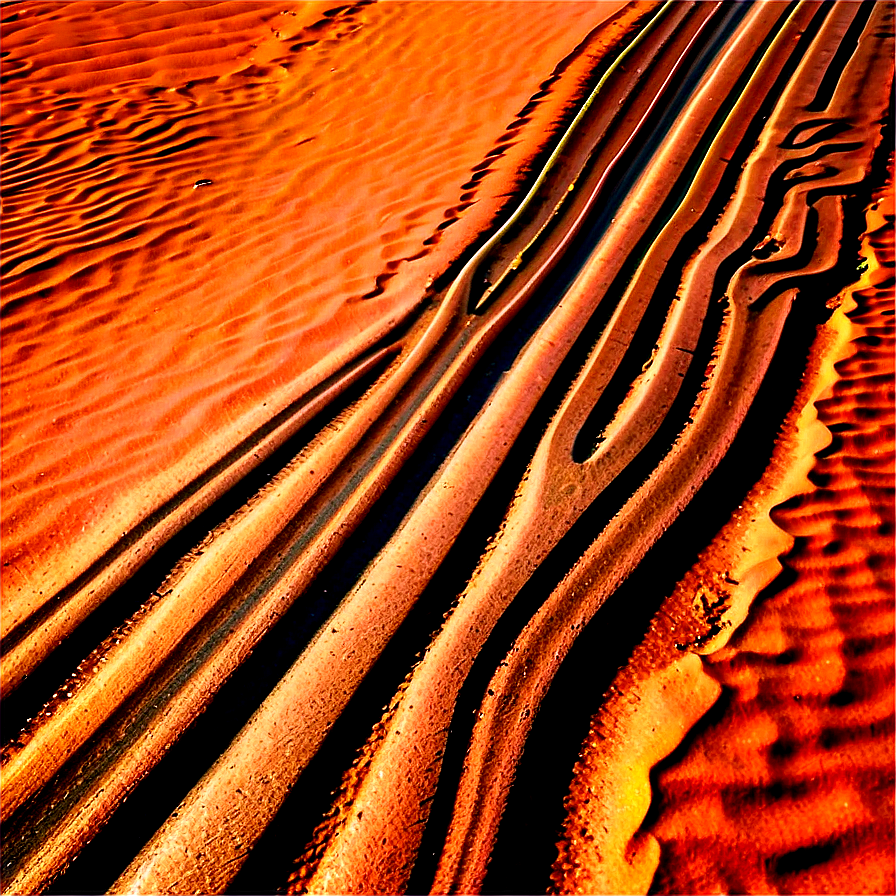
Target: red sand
{"points": [[220, 216], [789, 787], [151, 325]]}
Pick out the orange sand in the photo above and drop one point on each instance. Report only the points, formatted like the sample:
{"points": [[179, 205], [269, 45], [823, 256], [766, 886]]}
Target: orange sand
{"points": [[150, 325], [237, 200], [790, 788], [219, 216]]}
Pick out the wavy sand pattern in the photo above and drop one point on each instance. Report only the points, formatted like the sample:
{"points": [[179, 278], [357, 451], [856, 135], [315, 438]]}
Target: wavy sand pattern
{"points": [[253, 256], [372, 372], [808, 709], [788, 784]]}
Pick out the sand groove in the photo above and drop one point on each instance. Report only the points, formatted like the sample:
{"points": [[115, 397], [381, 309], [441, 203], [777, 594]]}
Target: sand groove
{"points": [[433, 379], [280, 317], [814, 666]]}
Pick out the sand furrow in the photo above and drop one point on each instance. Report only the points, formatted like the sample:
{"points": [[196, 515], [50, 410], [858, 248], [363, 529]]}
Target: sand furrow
{"points": [[66, 745], [373, 373], [803, 728], [268, 165]]}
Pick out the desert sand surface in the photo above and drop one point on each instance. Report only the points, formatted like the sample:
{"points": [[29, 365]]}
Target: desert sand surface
{"points": [[447, 447], [747, 746]]}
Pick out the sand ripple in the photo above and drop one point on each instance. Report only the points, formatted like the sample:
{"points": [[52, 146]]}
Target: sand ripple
{"points": [[371, 373], [197, 314], [808, 806]]}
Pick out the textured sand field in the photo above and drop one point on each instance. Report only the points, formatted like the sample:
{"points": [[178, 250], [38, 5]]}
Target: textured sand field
{"points": [[433, 431], [786, 784]]}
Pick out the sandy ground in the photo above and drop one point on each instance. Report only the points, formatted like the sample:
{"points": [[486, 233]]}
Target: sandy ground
{"points": [[369, 356]]}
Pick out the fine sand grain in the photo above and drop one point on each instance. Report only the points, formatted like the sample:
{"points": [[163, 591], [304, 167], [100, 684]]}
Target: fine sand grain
{"points": [[432, 431]]}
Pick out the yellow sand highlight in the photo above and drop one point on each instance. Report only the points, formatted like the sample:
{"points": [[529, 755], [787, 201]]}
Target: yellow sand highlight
{"points": [[661, 694]]}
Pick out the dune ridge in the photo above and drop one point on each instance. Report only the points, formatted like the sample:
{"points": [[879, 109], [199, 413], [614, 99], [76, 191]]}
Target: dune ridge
{"points": [[433, 389]]}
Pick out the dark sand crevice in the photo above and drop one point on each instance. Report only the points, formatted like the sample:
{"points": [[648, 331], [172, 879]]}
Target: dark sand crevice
{"points": [[240, 197], [420, 500], [714, 742]]}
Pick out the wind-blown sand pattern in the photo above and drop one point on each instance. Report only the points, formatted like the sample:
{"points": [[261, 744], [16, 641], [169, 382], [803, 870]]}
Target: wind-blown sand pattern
{"points": [[371, 373], [810, 680], [788, 785]]}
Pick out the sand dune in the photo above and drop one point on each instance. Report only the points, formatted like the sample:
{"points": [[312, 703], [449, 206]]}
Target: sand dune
{"points": [[371, 373], [201, 313], [812, 672]]}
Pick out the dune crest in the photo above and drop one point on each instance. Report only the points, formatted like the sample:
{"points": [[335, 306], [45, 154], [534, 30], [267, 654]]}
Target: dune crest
{"points": [[371, 374]]}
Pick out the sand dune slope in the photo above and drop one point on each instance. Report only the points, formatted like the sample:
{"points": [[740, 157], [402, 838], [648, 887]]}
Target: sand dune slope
{"points": [[410, 407]]}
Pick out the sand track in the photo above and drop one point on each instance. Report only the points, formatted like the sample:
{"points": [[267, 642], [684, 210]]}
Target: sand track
{"points": [[317, 399]]}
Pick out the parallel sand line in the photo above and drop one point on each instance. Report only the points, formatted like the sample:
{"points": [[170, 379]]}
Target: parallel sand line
{"points": [[722, 140], [409, 777], [322, 682], [277, 332], [59, 614], [748, 341], [158, 628], [662, 691]]}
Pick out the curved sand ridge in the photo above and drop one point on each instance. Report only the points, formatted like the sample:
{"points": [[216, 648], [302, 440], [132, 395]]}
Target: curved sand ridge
{"points": [[199, 314], [789, 785], [511, 93], [796, 766], [506, 458], [408, 776]]}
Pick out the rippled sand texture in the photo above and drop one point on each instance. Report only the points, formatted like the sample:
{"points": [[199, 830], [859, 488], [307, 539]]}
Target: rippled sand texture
{"points": [[787, 784], [794, 774], [370, 375], [159, 338], [152, 329]]}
